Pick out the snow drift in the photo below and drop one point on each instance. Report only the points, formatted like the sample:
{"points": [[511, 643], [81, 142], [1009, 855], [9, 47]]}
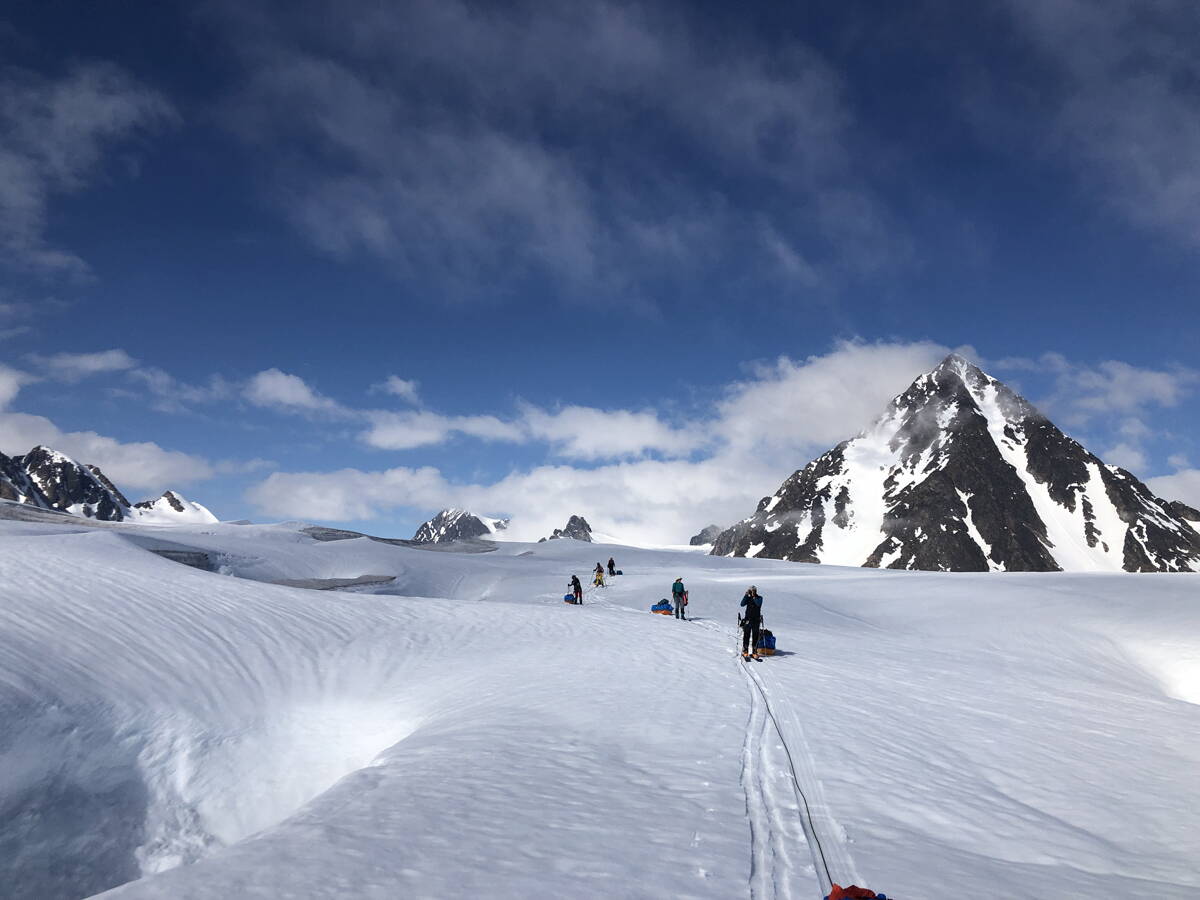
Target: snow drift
{"points": [[459, 731]]}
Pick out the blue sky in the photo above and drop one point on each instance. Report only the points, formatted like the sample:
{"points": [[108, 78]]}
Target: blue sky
{"points": [[354, 262]]}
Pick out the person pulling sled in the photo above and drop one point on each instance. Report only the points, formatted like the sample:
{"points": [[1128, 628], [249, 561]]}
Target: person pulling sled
{"points": [[750, 622], [577, 588], [612, 567], [598, 580]]}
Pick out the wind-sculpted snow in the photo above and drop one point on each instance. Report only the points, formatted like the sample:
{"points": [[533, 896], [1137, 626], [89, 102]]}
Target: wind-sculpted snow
{"points": [[459, 731]]}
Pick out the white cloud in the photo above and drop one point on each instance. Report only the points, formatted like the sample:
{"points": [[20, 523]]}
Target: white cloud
{"points": [[346, 494], [789, 406], [586, 433], [1178, 461], [174, 396], [12, 318], [53, 135], [77, 366], [1107, 390], [1135, 429], [1127, 456], [421, 428], [274, 389], [763, 429], [574, 432], [641, 501], [11, 382], [138, 466], [1118, 386], [399, 387]]}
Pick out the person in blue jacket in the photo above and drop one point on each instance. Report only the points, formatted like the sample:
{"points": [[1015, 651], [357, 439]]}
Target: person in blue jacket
{"points": [[751, 621]]}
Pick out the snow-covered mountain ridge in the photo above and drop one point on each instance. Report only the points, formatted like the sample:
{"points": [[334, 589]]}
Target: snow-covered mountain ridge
{"points": [[457, 525], [960, 473], [47, 479]]}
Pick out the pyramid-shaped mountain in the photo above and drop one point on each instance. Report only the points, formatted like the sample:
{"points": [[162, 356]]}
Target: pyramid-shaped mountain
{"points": [[962, 474]]}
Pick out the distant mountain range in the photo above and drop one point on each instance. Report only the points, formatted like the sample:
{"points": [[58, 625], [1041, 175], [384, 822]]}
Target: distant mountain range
{"points": [[459, 524], [47, 479], [962, 474]]}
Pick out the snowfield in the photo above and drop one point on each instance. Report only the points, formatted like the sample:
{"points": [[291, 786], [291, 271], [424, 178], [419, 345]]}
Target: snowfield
{"points": [[451, 728]]}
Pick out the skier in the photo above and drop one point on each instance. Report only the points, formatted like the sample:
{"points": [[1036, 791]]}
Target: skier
{"points": [[612, 566], [576, 588], [679, 595], [598, 581], [751, 622]]}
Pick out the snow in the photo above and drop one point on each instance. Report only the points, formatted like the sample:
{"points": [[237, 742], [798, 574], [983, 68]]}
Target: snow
{"points": [[1109, 524], [864, 468], [459, 731], [160, 512]]}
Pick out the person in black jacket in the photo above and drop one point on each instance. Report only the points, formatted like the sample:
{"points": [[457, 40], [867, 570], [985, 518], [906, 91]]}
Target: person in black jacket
{"points": [[576, 588], [612, 566], [751, 621]]}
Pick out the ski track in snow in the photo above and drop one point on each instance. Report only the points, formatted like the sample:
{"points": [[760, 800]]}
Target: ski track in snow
{"points": [[1008, 736]]}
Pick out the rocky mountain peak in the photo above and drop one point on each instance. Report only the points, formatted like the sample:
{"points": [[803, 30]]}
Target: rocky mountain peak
{"points": [[71, 487], [576, 528]]}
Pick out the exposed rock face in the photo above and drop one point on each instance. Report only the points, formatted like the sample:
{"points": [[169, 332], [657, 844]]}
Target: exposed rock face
{"points": [[577, 528], [71, 487], [707, 536], [16, 485], [962, 474], [456, 525], [1184, 511]]}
